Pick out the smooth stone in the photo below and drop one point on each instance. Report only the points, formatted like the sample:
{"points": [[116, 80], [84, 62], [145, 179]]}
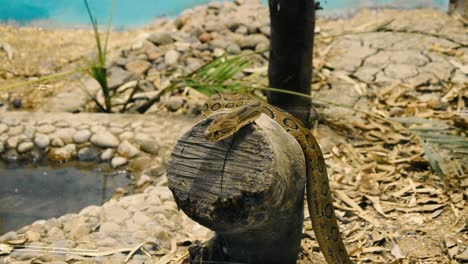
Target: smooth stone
{"points": [[126, 149], [107, 154], [3, 128], [116, 130], [62, 154], [29, 132], [138, 66], [171, 57], [127, 135], [45, 129], [217, 52], [144, 179], [98, 128], [251, 41], [25, 147], [15, 130], [8, 237], [174, 103], [115, 213], [66, 134], [62, 124], [88, 154], [57, 142], [118, 161], [12, 142], [105, 139], [81, 136], [233, 49], [118, 76], [162, 38], [32, 236]]}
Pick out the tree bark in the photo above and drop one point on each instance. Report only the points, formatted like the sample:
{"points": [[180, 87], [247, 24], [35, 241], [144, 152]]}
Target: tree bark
{"points": [[459, 7], [291, 49], [249, 188]]}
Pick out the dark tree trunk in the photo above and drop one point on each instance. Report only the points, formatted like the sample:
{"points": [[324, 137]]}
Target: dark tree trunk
{"points": [[459, 7], [291, 49]]}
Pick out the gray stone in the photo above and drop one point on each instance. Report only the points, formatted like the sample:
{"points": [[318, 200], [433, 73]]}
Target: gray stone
{"points": [[42, 141], [171, 57], [107, 154], [88, 154], [219, 43], [117, 76], [126, 149], [233, 49], [138, 66], [251, 41], [81, 136], [149, 146], [162, 38], [25, 147], [175, 103], [105, 139], [118, 161]]}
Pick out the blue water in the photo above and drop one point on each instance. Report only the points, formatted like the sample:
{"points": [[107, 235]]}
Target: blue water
{"points": [[133, 13]]}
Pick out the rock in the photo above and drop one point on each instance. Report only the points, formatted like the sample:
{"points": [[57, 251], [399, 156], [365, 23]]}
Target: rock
{"points": [[2, 147], [138, 66], [104, 139], [45, 129], [127, 135], [17, 103], [88, 154], [66, 134], [162, 38], [242, 30], [32, 236], [140, 218], [3, 128], [8, 237], [174, 103], [81, 136], [118, 161], [153, 53], [251, 41], [126, 149], [12, 142], [98, 128], [149, 146], [107, 242], [62, 154], [205, 37], [57, 142], [401, 71], [107, 154], [140, 163], [233, 49], [115, 213], [214, 26], [116, 76], [171, 57], [25, 147], [219, 43], [15, 130], [144, 179], [218, 52]]}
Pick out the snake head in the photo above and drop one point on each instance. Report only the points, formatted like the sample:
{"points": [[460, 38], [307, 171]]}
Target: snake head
{"points": [[220, 129]]}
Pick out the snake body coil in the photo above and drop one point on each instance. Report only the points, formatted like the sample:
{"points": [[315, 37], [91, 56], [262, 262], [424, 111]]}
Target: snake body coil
{"points": [[240, 110]]}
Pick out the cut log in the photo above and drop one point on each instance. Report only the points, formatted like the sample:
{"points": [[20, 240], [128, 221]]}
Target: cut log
{"points": [[248, 188]]}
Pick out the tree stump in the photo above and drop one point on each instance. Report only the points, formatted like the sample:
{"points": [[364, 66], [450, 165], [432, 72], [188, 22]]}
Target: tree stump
{"points": [[248, 188]]}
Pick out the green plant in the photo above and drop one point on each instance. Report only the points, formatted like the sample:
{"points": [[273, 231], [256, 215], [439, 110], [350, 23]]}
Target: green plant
{"points": [[97, 68]]}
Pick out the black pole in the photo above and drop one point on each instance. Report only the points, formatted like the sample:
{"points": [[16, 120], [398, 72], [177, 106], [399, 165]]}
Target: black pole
{"points": [[291, 49]]}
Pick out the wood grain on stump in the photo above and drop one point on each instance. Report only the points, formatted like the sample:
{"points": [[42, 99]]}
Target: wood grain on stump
{"points": [[249, 188]]}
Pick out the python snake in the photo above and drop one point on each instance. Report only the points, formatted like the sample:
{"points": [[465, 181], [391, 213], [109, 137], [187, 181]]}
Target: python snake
{"points": [[239, 110]]}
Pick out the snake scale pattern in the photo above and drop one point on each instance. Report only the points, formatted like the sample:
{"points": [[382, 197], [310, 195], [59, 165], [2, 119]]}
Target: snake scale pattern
{"points": [[239, 110]]}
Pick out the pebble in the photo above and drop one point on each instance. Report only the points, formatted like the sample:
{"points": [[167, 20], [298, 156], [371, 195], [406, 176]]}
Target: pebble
{"points": [[3, 128], [175, 103], [8, 237], [171, 57], [104, 139], [15, 130], [163, 38], [107, 154], [81, 136], [46, 129], [66, 134], [127, 135], [88, 154], [126, 149], [57, 142], [138, 66], [118, 161], [25, 147]]}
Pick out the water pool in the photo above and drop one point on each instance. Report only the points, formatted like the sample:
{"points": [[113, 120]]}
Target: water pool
{"points": [[31, 193], [130, 13]]}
